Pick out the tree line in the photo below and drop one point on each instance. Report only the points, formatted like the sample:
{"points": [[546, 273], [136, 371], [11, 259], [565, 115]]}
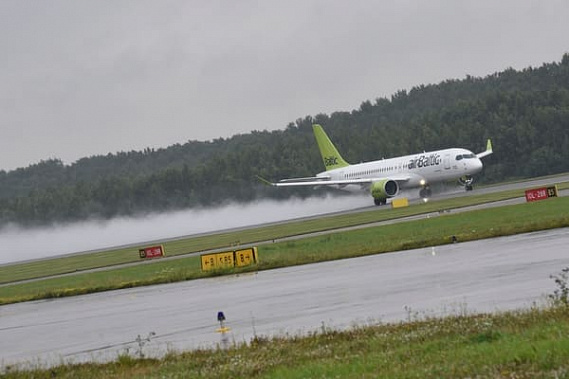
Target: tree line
{"points": [[525, 112]]}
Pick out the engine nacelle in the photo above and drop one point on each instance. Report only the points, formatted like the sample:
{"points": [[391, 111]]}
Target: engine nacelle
{"points": [[383, 189]]}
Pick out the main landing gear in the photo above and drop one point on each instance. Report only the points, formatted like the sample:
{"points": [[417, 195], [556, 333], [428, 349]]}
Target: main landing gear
{"points": [[425, 192], [378, 202]]}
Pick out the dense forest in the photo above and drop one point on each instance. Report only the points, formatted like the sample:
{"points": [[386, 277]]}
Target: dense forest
{"points": [[526, 113]]}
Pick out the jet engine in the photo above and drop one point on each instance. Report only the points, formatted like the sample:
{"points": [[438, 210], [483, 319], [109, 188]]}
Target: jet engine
{"points": [[383, 189]]}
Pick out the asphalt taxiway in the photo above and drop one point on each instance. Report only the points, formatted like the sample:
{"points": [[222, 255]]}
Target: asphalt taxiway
{"points": [[488, 275]]}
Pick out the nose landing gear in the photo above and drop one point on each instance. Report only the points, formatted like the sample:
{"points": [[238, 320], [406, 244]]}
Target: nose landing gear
{"points": [[466, 181]]}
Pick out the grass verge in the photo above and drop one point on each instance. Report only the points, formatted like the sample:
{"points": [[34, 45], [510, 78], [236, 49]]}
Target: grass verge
{"points": [[522, 344]]}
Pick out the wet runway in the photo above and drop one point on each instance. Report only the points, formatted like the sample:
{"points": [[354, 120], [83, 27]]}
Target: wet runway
{"points": [[496, 274]]}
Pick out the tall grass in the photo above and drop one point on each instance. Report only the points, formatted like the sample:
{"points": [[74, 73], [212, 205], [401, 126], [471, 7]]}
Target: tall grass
{"points": [[521, 344]]}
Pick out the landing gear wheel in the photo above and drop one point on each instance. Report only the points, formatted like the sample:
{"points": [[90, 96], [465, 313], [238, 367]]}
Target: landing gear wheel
{"points": [[379, 201], [466, 180], [468, 187], [425, 193]]}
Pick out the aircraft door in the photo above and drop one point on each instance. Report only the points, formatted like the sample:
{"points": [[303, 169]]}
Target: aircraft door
{"points": [[446, 161]]}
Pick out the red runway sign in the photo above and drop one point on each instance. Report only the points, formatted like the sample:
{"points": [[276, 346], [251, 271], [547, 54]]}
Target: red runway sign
{"points": [[152, 252], [541, 193]]}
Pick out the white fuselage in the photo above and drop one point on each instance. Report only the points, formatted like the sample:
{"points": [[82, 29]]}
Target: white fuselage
{"points": [[413, 170]]}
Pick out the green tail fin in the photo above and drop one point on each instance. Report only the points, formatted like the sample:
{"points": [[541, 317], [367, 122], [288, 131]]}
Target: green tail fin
{"points": [[330, 156]]}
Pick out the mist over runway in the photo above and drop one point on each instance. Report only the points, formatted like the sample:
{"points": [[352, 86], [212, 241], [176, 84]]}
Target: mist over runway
{"points": [[20, 244]]}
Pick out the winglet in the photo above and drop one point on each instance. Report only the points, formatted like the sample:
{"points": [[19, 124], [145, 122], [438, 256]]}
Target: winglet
{"points": [[330, 156], [265, 181], [488, 150]]}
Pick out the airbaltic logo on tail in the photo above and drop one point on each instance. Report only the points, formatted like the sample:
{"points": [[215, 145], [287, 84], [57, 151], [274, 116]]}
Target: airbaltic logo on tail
{"points": [[425, 161], [330, 161]]}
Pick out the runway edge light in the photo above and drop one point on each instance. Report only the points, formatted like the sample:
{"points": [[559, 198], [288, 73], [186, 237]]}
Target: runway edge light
{"points": [[221, 319]]}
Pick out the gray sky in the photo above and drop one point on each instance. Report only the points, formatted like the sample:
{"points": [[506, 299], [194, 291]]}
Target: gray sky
{"points": [[80, 78]]}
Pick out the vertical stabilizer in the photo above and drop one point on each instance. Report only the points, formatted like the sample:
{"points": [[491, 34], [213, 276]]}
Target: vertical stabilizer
{"points": [[330, 156]]}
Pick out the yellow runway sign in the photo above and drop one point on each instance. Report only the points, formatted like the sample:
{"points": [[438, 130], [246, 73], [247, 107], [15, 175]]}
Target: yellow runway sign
{"points": [[401, 202], [228, 259]]}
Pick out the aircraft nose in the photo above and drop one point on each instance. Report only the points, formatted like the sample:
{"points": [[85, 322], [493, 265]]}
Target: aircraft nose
{"points": [[477, 165]]}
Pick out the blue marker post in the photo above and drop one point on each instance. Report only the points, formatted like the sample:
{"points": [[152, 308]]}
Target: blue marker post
{"points": [[221, 318]]}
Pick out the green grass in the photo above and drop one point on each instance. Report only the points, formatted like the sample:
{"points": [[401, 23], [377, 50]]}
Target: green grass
{"points": [[523, 344], [484, 223]]}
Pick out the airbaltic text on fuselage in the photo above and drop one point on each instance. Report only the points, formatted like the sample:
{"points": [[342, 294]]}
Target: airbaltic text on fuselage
{"points": [[425, 161], [330, 161]]}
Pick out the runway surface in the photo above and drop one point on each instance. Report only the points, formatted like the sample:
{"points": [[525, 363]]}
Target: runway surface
{"points": [[488, 275]]}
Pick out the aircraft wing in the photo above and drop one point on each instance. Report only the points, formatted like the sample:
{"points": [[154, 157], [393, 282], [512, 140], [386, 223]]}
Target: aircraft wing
{"points": [[307, 179], [327, 181]]}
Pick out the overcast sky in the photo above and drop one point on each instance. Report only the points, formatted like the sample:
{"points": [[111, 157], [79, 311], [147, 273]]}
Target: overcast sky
{"points": [[81, 78]]}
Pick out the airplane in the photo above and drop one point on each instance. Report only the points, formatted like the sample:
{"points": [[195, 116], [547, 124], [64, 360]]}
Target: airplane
{"points": [[386, 177]]}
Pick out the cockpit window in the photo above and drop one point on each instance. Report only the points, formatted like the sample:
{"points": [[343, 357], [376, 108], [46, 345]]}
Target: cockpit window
{"points": [[465, 156]]}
